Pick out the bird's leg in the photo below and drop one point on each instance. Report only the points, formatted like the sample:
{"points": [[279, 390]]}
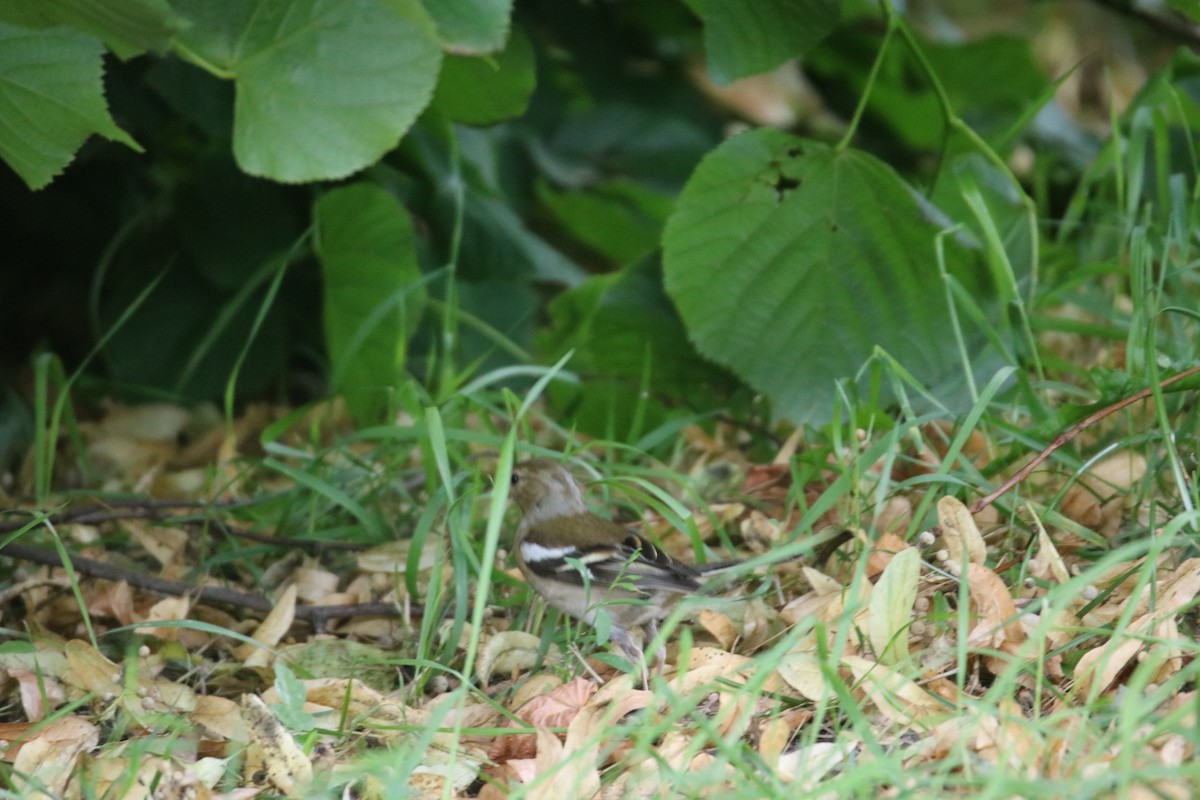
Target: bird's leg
{"points": [[633, 651], [660, 655]]}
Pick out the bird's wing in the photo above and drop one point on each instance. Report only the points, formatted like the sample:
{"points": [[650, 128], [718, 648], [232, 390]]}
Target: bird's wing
{"points": [[626, 559]]}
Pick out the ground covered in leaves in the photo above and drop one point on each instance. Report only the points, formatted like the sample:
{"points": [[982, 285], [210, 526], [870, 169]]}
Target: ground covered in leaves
{"points": [[1044, 643]]}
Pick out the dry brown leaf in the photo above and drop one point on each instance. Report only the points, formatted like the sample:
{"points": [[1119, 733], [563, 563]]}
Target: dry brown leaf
{"points": [[538, 684], [998, 625], [219, 717], [47, 762], [806, 766], [553, 709], [824, 602], [558, 708], [882, 552], [1047, 564], [314, 584], [167, 609], [165, 545], [270, 631], [719, 626], [35, 689], [114, 600], [1097, 499], [288, 769], [565, 769], [775, 735], [362, 704], [1010, 741], [91, 671], [960, 533], [895, 516]]}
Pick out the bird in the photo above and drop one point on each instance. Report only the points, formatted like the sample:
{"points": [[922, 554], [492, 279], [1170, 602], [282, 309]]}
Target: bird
{"points": [[585, 565]]}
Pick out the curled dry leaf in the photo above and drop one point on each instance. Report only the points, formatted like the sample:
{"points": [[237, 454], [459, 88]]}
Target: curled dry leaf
{"points": [[773, 738], [719, 626], [1047, 564], [536, 685], [165, 545], [960, 533], [509, 651], [998, 625], [287, 767], [314, 584], [170, 609], [1097, 499], [90, 671]]}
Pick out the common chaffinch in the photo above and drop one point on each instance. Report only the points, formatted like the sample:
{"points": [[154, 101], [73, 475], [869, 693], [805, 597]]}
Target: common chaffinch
{"points": [[581, 563]]}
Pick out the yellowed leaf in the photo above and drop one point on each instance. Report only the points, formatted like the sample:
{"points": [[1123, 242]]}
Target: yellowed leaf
{"points": [[998, 625], [565, 769], [891, 606], [509, 651], [897, 697], [719, 626], [219, 717], [1047, 564], [802, 671], [960, 533], [285, 763], [270, 631], [539, 684], [314, 584], [882, 551], [35, 689], [167, 609], [90, 670], [47, 762]]}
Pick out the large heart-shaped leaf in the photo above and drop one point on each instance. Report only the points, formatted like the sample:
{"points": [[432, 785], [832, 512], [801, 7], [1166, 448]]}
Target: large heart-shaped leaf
{"points": [[791, 262], [51, 99], [324, 87]]}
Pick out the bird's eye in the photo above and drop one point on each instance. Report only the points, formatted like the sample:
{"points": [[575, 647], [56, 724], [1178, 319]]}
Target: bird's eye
{"points": [[516, 478]]}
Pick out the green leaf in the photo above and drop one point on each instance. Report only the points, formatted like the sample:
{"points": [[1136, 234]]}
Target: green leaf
{"points": [[620, 219], [746, 37], [785, 246], [373, 291], [989, 82], [482, 90], [623, 328], [51, 81], [129, 28], [324, 87], [471, 26], [290, 708], [892, 602]]}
